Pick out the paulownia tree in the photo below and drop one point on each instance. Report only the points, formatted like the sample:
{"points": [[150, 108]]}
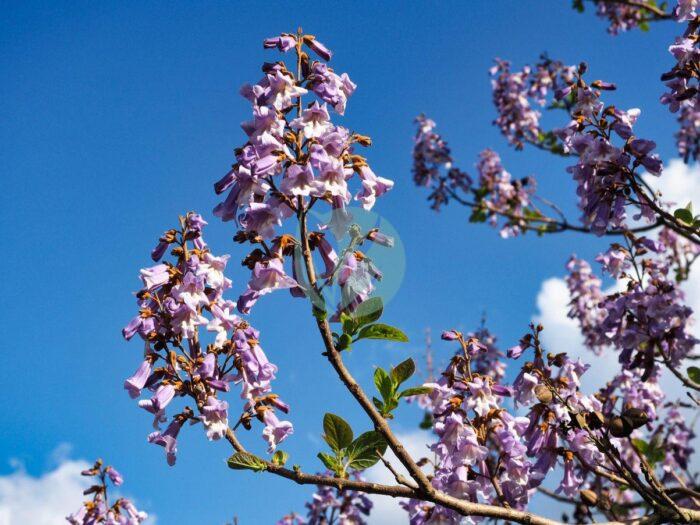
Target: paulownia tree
{"points": [[619, 455]]}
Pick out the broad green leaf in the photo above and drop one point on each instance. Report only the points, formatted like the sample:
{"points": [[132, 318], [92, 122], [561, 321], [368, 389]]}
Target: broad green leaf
{"points": [[330, 462], [362, 453], [246, 461], [416, 391], [403, 371], [694, 374], [368, 311], [280, 458], [382, 331], [383, 383], [654, 454], [641, 445], [684, 215], [378, 404], [337, 432]]}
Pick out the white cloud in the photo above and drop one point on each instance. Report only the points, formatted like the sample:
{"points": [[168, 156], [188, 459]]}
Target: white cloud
{"points": [[42, 500], [562, 334], [386, 510], [678, 183]]}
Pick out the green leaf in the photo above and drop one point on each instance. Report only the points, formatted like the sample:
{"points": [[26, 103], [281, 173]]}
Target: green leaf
{"points": [[383, 383], [652, 452], [348, 323], [344, 342], [427, 422], [390, 405], [280, 457], [416, 391], [378, 404], [684, 215], [641, 445], [478, 215], [403, 371], [246, 461], [368, 311], [338, 433], [362, 453], [382, 331], [330, 462], [694, 374]]}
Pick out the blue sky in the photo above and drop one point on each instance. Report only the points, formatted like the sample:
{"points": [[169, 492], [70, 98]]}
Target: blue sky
{"points": [[118, 116]]}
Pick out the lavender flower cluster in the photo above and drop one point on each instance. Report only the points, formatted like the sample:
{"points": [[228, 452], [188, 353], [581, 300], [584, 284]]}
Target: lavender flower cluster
{"points": [[98, 509], [498, 198], [177, 299], [683, 95], [647, 318], [486, 454], [605, 173], [480, 454], [624, 15], [294, 157], [516, 95], [329, 505]]}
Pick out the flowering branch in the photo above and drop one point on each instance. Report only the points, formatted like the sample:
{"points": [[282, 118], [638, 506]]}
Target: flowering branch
{"points": [[488, 461]]}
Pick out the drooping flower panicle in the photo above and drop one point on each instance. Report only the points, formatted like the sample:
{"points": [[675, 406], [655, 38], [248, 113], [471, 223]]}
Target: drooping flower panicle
{"points": [[179, 300]]}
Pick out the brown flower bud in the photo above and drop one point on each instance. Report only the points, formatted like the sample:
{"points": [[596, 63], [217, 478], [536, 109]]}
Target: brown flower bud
{"points": [[589, 497], [558, 360], [543, 394], [619, 427], [240, 237], [635, 417], [363, 140], [580, 420], [595, 420]]}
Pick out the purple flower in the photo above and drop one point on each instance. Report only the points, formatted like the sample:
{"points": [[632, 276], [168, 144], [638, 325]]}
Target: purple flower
{"points": [[156, 405], [450, 335], [284, 42], [380, 238], [215, 418], [318, 48], [114, 476], [268, 276], [298, 181], [168, 440], [135, 383], [372, 187], [155, 276], [571, 482], [330, 87], [314, 121], [275, 430]]}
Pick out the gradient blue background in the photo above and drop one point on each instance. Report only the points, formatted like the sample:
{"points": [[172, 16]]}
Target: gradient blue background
{"points": [[117, 116]]}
